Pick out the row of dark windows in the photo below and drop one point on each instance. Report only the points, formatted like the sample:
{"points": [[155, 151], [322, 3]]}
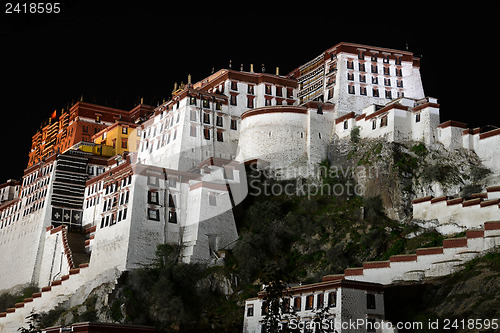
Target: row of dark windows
{"points": [[375, 92], [112, 219], [374, 57], [387, 81], [267, 89], [374, 69]]}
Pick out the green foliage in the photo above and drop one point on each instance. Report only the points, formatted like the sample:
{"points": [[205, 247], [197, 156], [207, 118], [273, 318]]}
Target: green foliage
{"points": [[405, 162], [478, 173], [441, 173], [419, 149], [355, 134]]}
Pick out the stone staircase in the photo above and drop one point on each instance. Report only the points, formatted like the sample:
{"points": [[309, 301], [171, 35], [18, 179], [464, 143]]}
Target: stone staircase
{"points": [[76, 244], [458, 214], [427, 262]]}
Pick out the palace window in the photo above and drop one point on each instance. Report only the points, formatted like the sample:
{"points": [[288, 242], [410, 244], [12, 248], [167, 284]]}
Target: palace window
{"points": [[297, 306], [171, 201], [330, 93], [332, 299], [386, 58], [375, 92], [309, 302], [350, 64], [399, 72], [279, 91], [250, 310], [153, 197], [192, 130], [383, 121], [250, 102], [218, 105], [361, 67], [362, 91], [285, 305], [192, 115], [219, 121], [399, 83], [124, 130], [374, 80], [362, 78], [386, 71], [192, 100], [350, 76], [234, 85], [234, 124], [206, 118], [387, 82], [220, 136], [374, 69], [320, 301], [398, 60], [153, 214], [172, 217], [374, 124], [268, 89], [250, 89], [388, 94], [206, 103], [361, 55], [351, 89], [417, 118], [206, 133], [232, 100], [346, 124], [370, 301]]}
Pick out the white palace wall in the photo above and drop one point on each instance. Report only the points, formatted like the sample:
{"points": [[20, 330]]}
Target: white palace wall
{"points": [[286, 136], [22, 236], [276, 134], [21, 246]]}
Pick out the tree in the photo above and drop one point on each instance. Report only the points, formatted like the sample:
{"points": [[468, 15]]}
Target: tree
{"points": [[33, 320], [276, 299]]}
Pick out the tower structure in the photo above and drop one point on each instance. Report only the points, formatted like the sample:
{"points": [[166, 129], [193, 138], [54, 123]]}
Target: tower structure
{"points": [[354, 76]]}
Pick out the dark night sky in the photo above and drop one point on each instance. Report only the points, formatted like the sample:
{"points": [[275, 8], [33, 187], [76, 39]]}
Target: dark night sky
{"points": [[114, 55]]}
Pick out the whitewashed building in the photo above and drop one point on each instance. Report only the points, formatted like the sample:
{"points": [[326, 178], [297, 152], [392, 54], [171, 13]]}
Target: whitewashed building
{"points": [[334, 305]]}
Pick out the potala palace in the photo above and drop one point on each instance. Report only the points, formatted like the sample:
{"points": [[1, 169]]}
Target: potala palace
{"points": [[103, 187]]}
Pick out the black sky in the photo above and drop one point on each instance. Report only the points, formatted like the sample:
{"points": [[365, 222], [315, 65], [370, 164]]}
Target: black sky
{"points": [[114, 53]]}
